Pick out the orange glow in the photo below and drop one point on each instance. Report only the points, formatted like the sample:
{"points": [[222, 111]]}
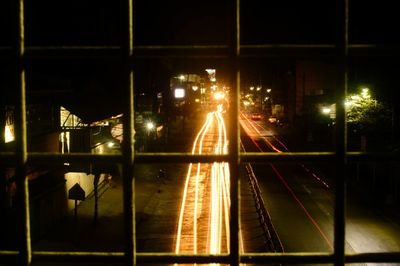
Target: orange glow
{"points": [[195, 202]]}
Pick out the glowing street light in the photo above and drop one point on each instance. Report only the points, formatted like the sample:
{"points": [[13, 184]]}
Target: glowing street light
{"points": [[326, 110], [150, 125], [179, 93]]}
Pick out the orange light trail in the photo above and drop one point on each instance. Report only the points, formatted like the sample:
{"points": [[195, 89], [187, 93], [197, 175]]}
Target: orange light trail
{"points": [[219, 202], [206, 125]]}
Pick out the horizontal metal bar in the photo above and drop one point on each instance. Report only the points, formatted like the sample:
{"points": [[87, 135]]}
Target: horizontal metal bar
{"points": [[57, 158], [372, 156], [248, 157], [78, 256], [247, 50], [287, 50], [369, 50], [292, 258], [174, 258], [388, 257], [266, 157], [179, 158]]}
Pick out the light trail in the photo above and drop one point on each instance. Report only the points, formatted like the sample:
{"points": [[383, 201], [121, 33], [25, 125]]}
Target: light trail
{"points": [[268, 142], [185, 190], [279, 175], [215, 237]]}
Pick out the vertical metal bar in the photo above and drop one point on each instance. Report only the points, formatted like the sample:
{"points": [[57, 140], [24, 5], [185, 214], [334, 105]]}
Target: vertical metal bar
{"points": [[25, 257], [234, 141], [128, 143], [341, 135]]}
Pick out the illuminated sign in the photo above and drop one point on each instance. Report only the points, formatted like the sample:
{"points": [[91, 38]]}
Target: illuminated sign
{"points": [[179, 93]]}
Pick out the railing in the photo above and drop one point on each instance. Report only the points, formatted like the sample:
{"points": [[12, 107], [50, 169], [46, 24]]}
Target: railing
{"points": [[233, 52]]}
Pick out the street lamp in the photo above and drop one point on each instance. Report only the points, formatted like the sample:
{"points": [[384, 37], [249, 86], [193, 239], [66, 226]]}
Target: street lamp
{"points": [[150, 126]]}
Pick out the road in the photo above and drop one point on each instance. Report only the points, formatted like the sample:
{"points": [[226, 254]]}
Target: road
{"points": [[300, 198], [203, 225]]}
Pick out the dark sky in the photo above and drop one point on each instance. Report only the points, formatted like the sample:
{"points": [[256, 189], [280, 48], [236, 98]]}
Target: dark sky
{"points": [[98, 22], [91, 22]]}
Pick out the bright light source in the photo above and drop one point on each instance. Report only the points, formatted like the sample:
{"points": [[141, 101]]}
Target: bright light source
{"points": [[8, 134], [355, 97], [348, 103], [326, 110], [197, 100], [272, 119], [365, 93], [246, 103], [179, 93], [195, 88], [219, 95], [258, 88], [149, 125], [268, 90], [251, 88], [266, 98], [182, 77], [211, 74], [110, 144]]}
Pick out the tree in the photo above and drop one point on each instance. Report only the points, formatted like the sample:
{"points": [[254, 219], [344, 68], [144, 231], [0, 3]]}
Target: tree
{"points": [[366, 116]]}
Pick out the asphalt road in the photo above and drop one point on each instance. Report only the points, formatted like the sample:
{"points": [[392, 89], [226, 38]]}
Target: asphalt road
{"points": [[300, 199]]}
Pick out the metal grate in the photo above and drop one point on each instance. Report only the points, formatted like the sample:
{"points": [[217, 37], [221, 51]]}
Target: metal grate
{"points": [[232, 52]]}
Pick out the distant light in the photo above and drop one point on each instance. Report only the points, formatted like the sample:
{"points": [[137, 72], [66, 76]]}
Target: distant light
{"points": [[110, 144], [195, 88], [251, 88], [219, 95], [149, 125], [181, 77], [8, 134], [266, 98], [348, 103], [211, 74], [365, 93], [326, 110], [272, 119], [258, 88], [179, 93], [197, 100], [246, 103], [268, 90]]}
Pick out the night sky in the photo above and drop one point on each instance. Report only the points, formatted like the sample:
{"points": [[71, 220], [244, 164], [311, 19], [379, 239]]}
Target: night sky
{"points": [[54, 23]]}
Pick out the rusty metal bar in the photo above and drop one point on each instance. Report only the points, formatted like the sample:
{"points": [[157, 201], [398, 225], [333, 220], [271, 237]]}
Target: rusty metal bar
{"points": [[128, 143], [248, 157], [247, 50], [292, 257], [234, 138], [341, 134], [21, 142], [234, 53]]}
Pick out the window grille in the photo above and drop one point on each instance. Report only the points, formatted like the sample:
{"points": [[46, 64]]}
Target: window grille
{"points": [[232, 52]]}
